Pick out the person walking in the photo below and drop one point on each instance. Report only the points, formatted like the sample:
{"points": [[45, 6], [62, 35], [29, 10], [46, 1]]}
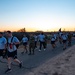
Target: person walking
{"points": [[53, 39], [36, 40], [60, 37], [12, 50], [42, 41], [64, 40], [31, 45], [69, 39], [25, 42], [3, 45]]}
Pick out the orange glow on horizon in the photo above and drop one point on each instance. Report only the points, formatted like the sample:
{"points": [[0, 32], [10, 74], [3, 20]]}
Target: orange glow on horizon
{"points": [[35, 29]]}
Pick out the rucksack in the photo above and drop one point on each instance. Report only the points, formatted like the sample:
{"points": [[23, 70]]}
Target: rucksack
{"points": [[17, 46]]}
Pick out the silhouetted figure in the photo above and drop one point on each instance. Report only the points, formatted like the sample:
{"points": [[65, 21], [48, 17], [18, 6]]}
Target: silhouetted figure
{"points": [[36, 40], [3, 43], [25, 42], [31, 45], [42, 40], [69, 39], [64, 40], [53, 39], [12, 50]]}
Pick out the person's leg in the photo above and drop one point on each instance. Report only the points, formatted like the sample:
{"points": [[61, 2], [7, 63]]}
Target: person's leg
{"points": [[29, 49], [33, 50], [40, 46], [26, 48], [23, 48], [35, 44], [53, 45], [64, 44], [64, 47], [9, 55], [16, 59], [60, 40], [69, 42], [1, 53], [9, 62], [44, 45], [9, 65], [19, 62]]}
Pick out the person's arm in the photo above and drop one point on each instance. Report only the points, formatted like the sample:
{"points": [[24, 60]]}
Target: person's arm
{"points": [[5, 42], [21, 41], [16, 41], [5, 45], [27, 39]]}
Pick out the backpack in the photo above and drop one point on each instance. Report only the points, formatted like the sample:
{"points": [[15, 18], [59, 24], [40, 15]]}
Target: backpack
{"points": [[17, 46]]}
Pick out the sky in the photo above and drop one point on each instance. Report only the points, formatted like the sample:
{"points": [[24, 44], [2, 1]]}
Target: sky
{"points": [[45, 15]]}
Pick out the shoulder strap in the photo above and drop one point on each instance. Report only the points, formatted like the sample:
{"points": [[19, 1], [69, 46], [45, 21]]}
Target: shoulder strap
{"points": [[7, 42], [12, 39]]}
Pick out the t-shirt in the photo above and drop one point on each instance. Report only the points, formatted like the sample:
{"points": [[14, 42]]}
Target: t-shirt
{"points": [[36, 38], [3, 41], [52, 39], [55, 36], [41, 38], [15, 40], [64, 37], [24, 39], [60, 34], [32, 41], [69, 36]]}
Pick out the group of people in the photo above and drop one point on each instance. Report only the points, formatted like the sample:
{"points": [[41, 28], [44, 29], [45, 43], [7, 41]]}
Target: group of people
{"points": [[8, 47], [63, 38], [43, 40], [32, 42]]}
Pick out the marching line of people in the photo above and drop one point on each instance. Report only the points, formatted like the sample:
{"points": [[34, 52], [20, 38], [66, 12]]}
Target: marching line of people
{"points": [[42, 39], [8, 47]]}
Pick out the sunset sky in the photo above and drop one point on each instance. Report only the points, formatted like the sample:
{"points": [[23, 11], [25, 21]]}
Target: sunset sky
{"points": [[45, 15]]}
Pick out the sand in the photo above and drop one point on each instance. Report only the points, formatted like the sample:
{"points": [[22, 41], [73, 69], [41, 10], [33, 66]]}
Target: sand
{"points": [[63, 64]]}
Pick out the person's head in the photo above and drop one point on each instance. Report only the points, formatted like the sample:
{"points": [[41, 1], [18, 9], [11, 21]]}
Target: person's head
{"points": [[35, 34], [53, 34], [9, 33], [24, 35], [31, 34], [42, 33], [1, 34], [69, 32]]}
